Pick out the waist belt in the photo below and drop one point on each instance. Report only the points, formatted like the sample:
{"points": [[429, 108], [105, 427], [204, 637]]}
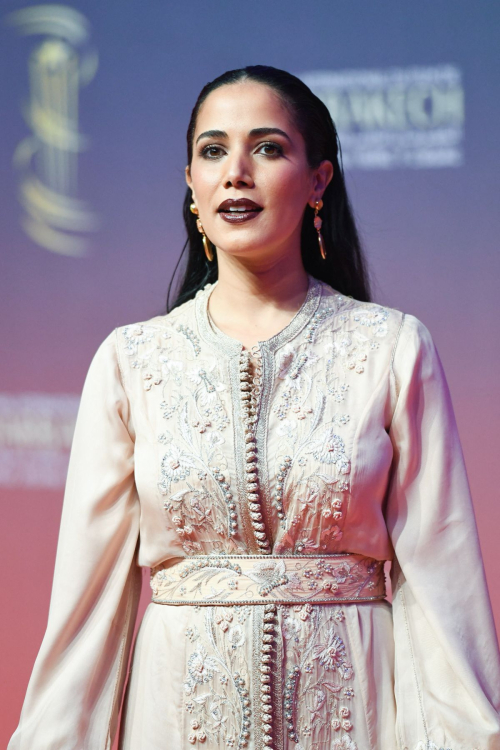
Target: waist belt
{"points": [[257, 579]]}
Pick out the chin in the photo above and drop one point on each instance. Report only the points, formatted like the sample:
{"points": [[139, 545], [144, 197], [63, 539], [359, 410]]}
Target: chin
{"points": [[241, 248], [248, 245]]}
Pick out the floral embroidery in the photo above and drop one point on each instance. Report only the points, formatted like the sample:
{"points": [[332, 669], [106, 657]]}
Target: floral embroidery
{"points": [[318, 669], [353, 346], [249, 579], [207, 396], [292, 370], [216, 682], [331, 655], [344, 743], [311, 489], [201, 668], [329, 448], [197, 398], [135, 336], [175, 465], [236, 636]]}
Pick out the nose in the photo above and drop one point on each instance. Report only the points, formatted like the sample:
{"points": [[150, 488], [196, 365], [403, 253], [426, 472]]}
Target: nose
{"points": [[238, 171]]}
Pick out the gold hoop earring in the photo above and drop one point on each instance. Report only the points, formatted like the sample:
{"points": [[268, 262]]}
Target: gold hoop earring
{"points": [[206, 242], [317, 225], [207, 245]]}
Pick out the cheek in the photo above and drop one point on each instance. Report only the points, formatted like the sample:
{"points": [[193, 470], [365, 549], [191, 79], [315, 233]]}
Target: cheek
{"points": [[287, 198], [287, 188], [204, 182]]}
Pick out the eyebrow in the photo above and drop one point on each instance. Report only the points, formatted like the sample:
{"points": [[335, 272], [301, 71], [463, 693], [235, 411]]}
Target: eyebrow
{"points": [[253, 133]]}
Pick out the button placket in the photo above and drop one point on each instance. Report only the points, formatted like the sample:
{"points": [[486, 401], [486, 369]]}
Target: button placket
{"points": [[250, 391]]}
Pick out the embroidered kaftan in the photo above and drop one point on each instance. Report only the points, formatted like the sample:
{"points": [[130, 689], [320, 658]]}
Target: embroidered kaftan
{"points": [[355, 450]]}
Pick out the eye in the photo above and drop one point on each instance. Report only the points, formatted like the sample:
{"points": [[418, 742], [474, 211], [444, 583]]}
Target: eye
{"points": [[278, 151], [206, 152]]}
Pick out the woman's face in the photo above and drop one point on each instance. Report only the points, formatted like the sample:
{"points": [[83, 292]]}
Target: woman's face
{"points": [[235, 155]]}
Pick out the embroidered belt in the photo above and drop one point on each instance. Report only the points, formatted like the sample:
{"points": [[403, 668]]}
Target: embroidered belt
{"points": [[257, 579]]}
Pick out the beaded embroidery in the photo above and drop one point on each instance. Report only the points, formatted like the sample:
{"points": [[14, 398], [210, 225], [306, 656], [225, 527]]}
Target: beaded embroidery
{"points": [[218, 705], [319, 673], [311, 488], [215, 579]]}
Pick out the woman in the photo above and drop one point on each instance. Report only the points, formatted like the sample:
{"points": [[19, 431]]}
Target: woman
{"points": [[264, 448]]}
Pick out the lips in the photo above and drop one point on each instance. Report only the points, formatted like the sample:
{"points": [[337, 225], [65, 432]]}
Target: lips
{"points": [[237, 211], [239, 205]]}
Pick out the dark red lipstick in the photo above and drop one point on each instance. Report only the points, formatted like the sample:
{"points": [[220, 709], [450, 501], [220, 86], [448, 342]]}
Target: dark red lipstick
{"points": [[236, 211]]}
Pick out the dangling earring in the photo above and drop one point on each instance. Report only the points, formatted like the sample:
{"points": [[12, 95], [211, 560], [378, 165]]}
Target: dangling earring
{"points": [[317, 225], [206, 241]]}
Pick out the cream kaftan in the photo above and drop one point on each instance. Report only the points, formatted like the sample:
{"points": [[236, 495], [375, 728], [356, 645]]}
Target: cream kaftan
{"points": [[353, 449]]}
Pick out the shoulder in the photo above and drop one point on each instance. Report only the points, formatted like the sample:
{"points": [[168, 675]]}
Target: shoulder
{"points": [[356, 317], [401, 335], [142, 347], [158, 322], [381, 318], [144, 334]]}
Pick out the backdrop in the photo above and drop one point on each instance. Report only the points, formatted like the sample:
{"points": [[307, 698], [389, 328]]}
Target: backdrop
{"points": [[95, 105]]}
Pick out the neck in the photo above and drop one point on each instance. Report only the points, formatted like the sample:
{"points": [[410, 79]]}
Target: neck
{"points": [[251, 304], [244, 293]]}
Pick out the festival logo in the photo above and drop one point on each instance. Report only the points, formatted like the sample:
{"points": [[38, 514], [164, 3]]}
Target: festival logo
{"points": [[47, 160], [400, 117]]}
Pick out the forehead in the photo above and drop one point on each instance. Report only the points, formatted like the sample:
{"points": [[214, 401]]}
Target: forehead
{"points": [[239, 107]]}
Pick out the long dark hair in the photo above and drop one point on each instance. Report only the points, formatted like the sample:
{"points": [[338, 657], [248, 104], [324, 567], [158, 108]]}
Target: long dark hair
{"points": [[345, 268]]}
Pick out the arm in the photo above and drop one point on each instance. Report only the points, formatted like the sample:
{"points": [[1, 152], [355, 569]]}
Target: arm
{"points": [[73, 697], [447, 670]]}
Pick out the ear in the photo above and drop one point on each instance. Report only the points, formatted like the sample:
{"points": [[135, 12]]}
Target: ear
{"points": [[190, 183], [321, 178]]}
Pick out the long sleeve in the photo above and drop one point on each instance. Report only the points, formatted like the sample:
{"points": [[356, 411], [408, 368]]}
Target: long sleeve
{"points": [[73, 698], [447, 669]]}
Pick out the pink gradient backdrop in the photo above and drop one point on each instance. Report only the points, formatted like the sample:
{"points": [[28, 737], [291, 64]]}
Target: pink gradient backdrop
{"points": [[431, 235]]}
